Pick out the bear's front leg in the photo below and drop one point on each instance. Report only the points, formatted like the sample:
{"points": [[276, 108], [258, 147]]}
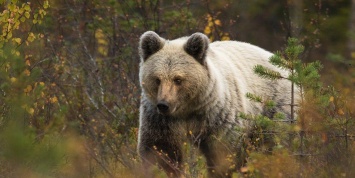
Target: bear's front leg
{"points": [[157, 144], [164, 154], [218, 157]]}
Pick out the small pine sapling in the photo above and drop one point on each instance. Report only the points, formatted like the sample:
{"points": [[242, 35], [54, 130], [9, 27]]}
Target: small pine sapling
{"points": [[304, 76]]}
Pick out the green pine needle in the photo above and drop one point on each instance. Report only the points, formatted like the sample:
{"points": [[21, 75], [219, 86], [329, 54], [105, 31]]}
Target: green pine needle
{"points": [[279, 116], [269, 104], [267, 73], [254, 97], [294, 49]]}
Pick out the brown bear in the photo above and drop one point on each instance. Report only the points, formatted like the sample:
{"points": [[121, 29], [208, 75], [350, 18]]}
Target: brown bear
{"points": [[193, 90]]}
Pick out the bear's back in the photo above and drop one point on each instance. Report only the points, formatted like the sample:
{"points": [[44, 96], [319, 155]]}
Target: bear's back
{"points": [[236, 61]]}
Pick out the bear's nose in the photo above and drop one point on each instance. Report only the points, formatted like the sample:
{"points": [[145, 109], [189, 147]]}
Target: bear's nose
{"points": [[163, 107]]}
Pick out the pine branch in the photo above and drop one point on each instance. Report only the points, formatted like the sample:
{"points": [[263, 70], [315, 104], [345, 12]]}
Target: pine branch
{"points": [[267, 73], [279, 116], [307, 75], [245, 116], [255, 98], [293, 48], [269, 104], [279, 61]]}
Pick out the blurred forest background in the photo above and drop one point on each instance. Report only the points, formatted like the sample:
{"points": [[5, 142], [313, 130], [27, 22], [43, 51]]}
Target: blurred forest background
{"points": [[69, 90]]}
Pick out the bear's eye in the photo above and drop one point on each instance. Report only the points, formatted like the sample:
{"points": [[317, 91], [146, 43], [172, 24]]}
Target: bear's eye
{"points": [[157, 81], [177, 81]]}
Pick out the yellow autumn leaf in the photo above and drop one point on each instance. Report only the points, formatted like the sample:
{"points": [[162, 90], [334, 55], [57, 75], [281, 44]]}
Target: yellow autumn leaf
{"points": [[11, 7], [17, 40], [31, 111], [13, 79], [218, 22], [45, 4], [102, 42], [22, 19], [28, 56], [28, 89], [352, 55], [27, 15], [297, 128], [225, 38], [209, 17], [28, 62], [27, 7], [9, 34], [244, 169], [31, 37], [7, 67], [340, 112], [54, 99], [207, 30], [27, 72], [331, 99], [41, 83]]}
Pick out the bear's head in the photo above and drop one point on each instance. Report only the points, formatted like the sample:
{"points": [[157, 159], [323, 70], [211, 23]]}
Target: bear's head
{"points": [[174, 74]]}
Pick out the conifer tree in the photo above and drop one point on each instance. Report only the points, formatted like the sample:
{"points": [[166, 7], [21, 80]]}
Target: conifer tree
{"points": [[305, 76], [321, 130], [275, 131]]}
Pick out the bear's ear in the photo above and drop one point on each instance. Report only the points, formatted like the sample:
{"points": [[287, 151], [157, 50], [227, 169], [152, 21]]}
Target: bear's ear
{"points": [[149, 43], [196, 46]]}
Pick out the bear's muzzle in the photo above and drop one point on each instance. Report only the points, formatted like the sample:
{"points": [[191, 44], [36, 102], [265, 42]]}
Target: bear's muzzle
{"points": [[163, 107]]}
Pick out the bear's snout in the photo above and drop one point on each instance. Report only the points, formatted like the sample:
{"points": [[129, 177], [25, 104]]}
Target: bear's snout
{"points": [[163, 107]]}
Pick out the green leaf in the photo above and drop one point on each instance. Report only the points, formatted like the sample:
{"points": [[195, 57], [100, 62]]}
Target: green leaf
{"points": [[45, 4], [22, 19], [27, 14], [31, 37], [11, 7], [17, 40], [27, 7], [9, 35]]}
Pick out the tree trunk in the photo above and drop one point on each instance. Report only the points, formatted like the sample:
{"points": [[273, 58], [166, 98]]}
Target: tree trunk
{"points": [[296, 17], [351, 44]]}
